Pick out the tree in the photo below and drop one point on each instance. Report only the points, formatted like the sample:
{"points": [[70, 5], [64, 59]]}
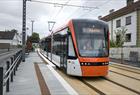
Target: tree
{"points": [[35, 37], [14, 30], [112, 43], [120, 39], [120, 36], [29, 43]]}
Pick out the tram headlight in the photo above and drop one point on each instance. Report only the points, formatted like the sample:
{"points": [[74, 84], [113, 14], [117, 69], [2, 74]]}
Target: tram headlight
{"points": [[88, 64], [105, 63], [85, 63]]}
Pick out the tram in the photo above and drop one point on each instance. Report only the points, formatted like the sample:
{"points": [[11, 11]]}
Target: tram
{"points": [[81, 48]]}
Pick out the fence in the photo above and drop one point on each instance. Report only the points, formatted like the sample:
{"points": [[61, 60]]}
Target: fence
{"points": [[11, 67], [127, 53]]}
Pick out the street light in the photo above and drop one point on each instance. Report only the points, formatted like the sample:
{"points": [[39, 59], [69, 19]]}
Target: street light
{"points": [[50, 27]]}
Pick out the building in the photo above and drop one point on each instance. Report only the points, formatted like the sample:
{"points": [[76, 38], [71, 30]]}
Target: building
{"points": [[128, 17], [10, 38]]}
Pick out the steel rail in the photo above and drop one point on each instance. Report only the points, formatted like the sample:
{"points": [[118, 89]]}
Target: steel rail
{"points": [[126, 66], [121, 85], [92, 87], [124, 75], [126, 69]]}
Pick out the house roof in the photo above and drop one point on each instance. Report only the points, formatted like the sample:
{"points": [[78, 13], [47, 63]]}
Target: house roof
{"points": [[7, 35], [123, 11]]}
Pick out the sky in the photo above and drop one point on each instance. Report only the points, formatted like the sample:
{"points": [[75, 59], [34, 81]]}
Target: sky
{"points": [[41, 13]]}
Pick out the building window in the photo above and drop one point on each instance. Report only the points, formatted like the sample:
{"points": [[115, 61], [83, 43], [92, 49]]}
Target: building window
{"points": [[118, 38], [118, 23], [128, 37], [128, 20]]}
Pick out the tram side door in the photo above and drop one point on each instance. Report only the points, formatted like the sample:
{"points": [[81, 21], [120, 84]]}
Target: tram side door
{"points": [[63, 57]]}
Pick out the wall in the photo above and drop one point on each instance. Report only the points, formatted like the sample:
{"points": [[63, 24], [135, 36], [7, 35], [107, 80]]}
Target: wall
{"points": [[116, 52], [138, 28], [4, 45], [5, 41], [16, 40], [132, 28]]}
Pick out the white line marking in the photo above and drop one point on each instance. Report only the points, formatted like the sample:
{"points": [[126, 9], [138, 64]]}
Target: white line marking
{"points": [[69, 89]]}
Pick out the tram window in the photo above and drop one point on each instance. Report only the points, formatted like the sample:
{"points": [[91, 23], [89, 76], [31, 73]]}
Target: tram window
{"points": [[91, 39], [71, 51], [60, 42], [56, 44]]}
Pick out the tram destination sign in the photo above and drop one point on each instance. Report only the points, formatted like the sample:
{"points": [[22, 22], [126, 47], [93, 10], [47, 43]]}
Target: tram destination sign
{"points": [[91, 30]]}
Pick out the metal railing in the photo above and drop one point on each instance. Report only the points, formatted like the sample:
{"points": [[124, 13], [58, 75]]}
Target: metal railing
{"points": [[11, 68]]}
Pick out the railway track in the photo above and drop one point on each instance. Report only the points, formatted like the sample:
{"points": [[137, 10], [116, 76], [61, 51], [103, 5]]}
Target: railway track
{"points": [[104, 86], [131, 72], [119, 81], [125, 73], [99, 85], [126, 68]]}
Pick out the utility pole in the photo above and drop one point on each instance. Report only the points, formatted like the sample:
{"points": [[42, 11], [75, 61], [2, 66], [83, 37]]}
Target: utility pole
{"points": [[23, 30], [32, 26], [50, 27]]}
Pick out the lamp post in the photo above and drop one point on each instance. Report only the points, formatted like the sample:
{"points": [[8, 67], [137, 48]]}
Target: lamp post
{"points": [[50, 27]]}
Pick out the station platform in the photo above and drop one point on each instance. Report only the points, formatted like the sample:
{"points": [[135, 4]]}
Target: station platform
{"points": [[34, 77]]}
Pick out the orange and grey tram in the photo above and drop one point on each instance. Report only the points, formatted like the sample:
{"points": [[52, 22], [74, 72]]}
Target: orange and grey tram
{"points": [[81, 48]]}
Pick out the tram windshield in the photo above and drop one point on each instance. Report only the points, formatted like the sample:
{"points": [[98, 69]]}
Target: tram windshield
{"points": [[91, 39]]}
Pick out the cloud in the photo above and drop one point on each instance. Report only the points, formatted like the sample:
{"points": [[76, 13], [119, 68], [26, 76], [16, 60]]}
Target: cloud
{"points": [[11, 13]]}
